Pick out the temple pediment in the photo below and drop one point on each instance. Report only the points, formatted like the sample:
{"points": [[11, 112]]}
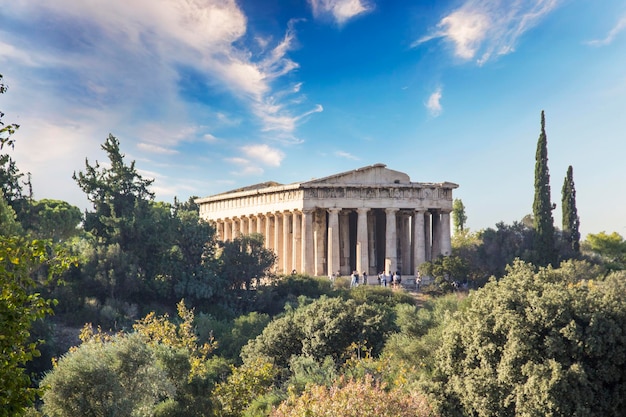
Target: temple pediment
{"points": [[377, 174]]}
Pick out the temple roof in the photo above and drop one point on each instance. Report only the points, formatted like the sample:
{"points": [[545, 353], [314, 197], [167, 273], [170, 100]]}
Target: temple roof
{"points": [[371, 175]]}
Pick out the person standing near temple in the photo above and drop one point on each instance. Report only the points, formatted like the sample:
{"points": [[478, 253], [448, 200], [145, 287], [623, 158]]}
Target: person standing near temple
{"points": [[354, 279], [364, 278]]}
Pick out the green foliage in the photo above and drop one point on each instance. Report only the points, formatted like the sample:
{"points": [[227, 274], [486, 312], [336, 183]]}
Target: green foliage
{"points": [[10, 181], [117, 377], [305, 370], [502, 245], [537, 343], [6, 130], [376, 295], [458, 216], [54, 219], [246, 383], [448, 271], [286, 289], [160, 330], [114, 193], [20, 261], [159, 370], [571, 222], [610, 248], [328, 327], [420, 332], [245, 261], [544, 246], [9, 226], [354, 398], [231, 336]]}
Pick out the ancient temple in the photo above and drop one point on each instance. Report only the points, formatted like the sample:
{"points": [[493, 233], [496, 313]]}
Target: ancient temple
{"points": [[369, 219]]}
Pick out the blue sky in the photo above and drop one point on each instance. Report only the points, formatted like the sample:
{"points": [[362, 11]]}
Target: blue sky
{"points": [[210, 95]]}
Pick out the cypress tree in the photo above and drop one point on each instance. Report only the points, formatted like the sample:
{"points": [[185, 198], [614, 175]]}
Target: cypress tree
{"points": [[458, 215], [543, 223], [571, 222]]}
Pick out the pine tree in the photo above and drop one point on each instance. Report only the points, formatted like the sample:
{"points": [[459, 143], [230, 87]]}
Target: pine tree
{"points": [[571, 222], [544, 246]]}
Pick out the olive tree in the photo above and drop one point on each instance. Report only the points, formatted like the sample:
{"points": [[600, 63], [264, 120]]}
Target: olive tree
{"points": [[537, 343]]}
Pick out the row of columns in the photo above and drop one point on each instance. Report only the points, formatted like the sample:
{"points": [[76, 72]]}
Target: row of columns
{"points": [[304, 246]]}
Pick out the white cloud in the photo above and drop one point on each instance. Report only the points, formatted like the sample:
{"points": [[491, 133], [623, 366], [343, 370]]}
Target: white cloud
{"points": [[263, 153], [131, 53], [346, 155], [340, 10], [238, 161], [616, 30], [153, 148], [210, 138], [489, 28], [433, 104]]}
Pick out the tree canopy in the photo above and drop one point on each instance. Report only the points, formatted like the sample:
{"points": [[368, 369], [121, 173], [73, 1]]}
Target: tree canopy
{"points": [[537, 343]]}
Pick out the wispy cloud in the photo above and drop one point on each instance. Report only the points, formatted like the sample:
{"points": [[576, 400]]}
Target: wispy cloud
{"points": [[484, 29], [340, 10], [616, 30], [152, 148], [264, 154], [433, 104], [346, 155], [128, 54]]}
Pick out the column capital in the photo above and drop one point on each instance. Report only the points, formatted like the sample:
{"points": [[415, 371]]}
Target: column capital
{"points": [[334, 210], [391, 210], [362, 210]]}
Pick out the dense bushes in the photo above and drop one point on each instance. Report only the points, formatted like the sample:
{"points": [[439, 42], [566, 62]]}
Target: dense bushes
{"points": [[537, 343]]}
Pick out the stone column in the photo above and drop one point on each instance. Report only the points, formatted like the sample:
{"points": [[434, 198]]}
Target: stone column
{"points": [[362, 242], [252, 224], [391, 261], [287, 242], [372, 247], [296, 249], [320, 250], [419, 256], [428, 236], [228, 229], [446, 243], [344, 242], [269, 232], [405, 243], [436, 217], [243, 225], [278, 240], [259, 223], [220, 230], [307, 242], [333, 240], [236, 227]]}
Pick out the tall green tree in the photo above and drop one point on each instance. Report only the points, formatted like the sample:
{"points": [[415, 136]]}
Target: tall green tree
{"points": [[571, 222], [116, 192], [544, 244], [458, 215]]}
